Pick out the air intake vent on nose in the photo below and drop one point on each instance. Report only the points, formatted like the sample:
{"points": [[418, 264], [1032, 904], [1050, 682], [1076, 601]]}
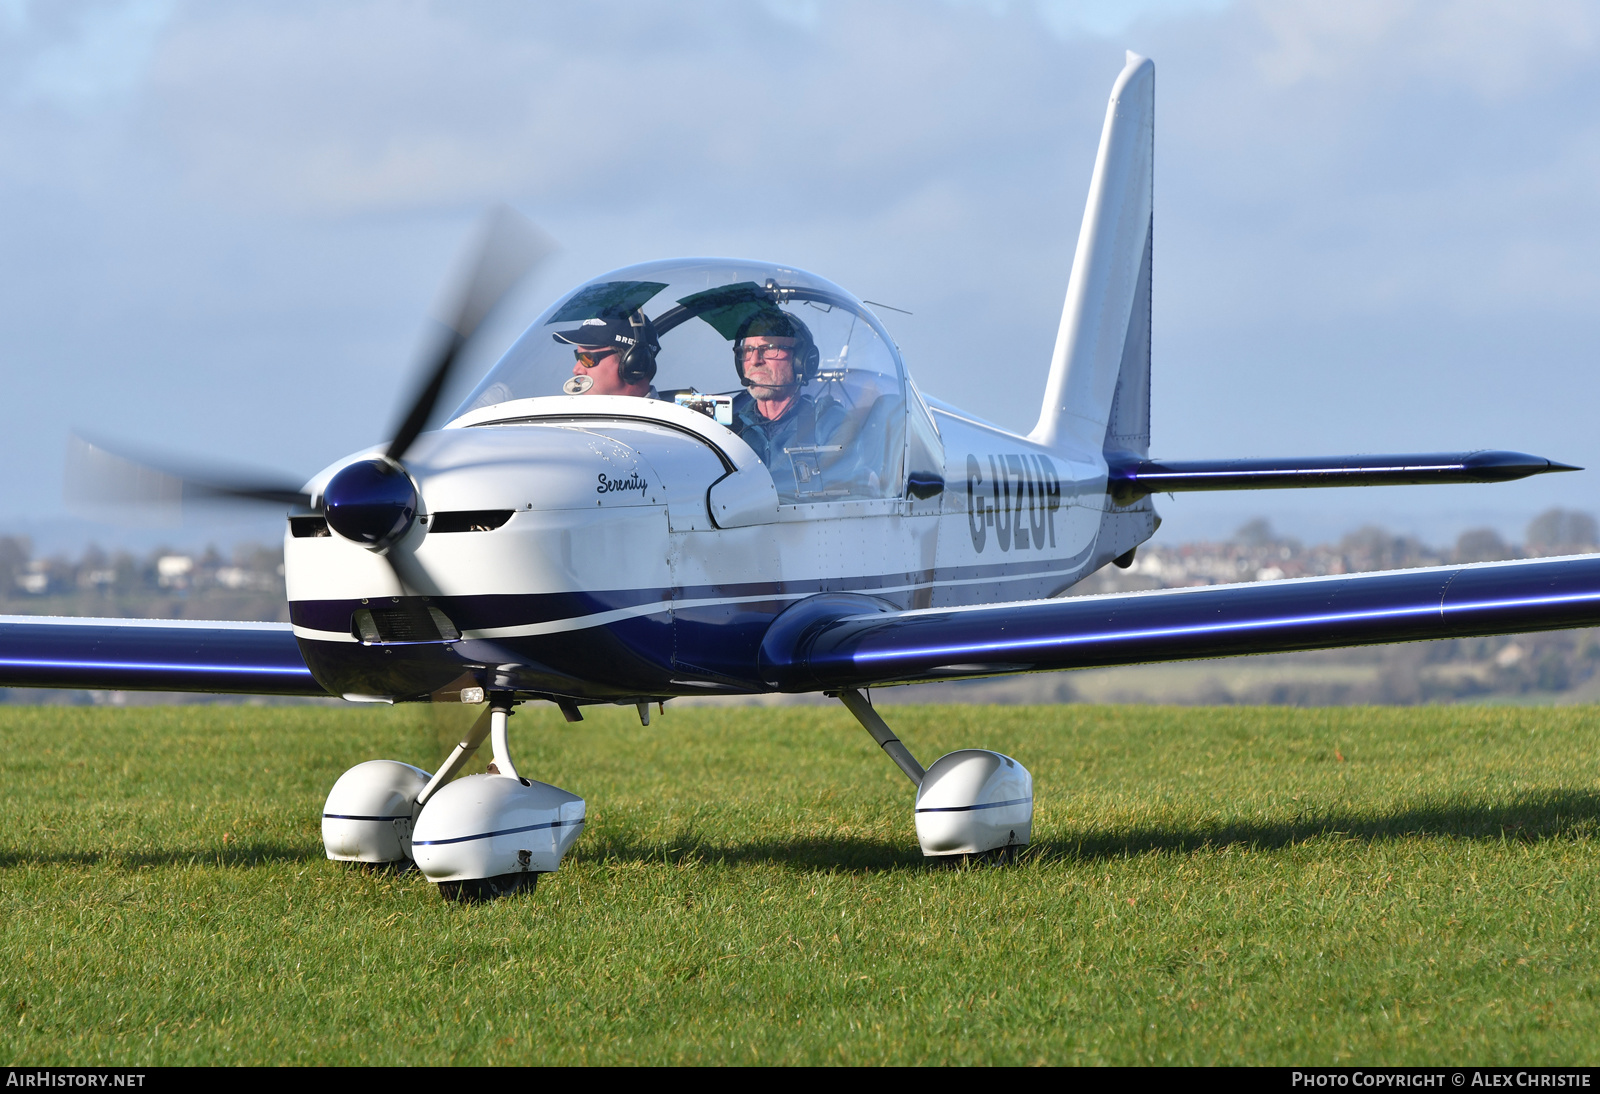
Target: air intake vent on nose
{"points": [[403, 623], [469, 520], [308, 527]]}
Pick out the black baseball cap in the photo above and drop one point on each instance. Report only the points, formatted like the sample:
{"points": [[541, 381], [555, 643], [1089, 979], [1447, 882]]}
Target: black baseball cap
{"points": [[610, 330]]}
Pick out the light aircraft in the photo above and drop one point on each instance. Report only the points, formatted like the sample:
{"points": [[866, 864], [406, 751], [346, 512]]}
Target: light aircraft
{"points": [[715, 476]]}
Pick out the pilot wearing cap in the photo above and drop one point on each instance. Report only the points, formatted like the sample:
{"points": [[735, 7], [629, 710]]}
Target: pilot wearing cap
{"points": [[776, 357], [615, 355]]}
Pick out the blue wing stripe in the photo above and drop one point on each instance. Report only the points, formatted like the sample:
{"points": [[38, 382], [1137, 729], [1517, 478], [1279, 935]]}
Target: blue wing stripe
{"points": [[153, 655]]}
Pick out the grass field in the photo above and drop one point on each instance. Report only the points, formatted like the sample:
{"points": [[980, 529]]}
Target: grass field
{"points": [[1251, 885]]}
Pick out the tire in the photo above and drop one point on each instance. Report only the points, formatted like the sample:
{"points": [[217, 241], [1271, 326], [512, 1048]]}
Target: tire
{"points": [[481, 890]]}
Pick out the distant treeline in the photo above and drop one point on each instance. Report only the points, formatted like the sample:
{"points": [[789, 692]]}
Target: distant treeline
{"points": [[1553, 532]]}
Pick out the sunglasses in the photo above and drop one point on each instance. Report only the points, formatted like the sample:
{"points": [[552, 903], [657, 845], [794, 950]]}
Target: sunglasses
{"points": [[590, 358], [766, 353]]}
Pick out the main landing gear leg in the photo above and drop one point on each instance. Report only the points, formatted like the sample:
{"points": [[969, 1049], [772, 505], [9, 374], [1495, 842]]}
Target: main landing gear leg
{"points": [[861, 707], [970, 802]]}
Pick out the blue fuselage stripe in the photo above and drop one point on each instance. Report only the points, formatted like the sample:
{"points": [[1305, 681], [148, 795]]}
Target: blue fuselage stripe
{"points": [[493, 610]]}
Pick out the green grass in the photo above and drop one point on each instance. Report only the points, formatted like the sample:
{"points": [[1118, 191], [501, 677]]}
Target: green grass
{"points": [[1205, 885]]}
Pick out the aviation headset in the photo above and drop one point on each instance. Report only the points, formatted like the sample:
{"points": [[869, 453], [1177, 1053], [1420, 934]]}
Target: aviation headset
{"points": [[773, 323], [638, 361]]}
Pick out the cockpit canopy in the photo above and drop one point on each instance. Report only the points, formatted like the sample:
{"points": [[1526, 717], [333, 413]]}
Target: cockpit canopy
{"points": [[799, 368]]}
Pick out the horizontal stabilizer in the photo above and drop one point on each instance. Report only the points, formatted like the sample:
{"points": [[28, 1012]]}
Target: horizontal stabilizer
{"points": [[1132, 479], [827, 643], [152, 655]]}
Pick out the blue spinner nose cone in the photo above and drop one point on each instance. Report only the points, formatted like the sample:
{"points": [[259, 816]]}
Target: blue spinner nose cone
{"points": [[372, 503]]}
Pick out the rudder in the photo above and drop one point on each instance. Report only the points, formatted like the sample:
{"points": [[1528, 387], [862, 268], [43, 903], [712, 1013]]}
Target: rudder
{"points": [[1128, 429]]}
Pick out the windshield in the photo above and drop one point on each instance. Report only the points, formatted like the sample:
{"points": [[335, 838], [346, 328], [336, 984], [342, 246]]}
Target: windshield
{"points": [[793, 364]]}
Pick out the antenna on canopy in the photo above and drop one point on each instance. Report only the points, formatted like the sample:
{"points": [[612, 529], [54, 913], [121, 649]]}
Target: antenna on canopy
{"points": [[891, 307]]}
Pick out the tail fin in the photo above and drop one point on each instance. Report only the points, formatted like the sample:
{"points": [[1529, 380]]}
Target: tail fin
{"points": [[1097, 397]]}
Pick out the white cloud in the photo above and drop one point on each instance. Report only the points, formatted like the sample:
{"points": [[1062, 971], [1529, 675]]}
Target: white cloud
{"points": [[83, 56]]}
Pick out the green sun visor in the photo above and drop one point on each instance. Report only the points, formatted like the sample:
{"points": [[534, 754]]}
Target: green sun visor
{"points": [[728, 307], [607, 298]]}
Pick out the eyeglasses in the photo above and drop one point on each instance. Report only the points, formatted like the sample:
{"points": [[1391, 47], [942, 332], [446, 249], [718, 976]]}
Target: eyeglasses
{"points": [[765, 353], [590, 358]]}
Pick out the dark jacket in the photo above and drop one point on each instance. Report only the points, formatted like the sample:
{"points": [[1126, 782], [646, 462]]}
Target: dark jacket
{"points": [[802, 449]]}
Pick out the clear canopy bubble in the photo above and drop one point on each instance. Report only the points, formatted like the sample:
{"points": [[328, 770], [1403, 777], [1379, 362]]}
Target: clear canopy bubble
{"points": [[799, 368]]}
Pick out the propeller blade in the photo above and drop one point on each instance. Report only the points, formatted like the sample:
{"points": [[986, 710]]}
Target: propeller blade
{"points": [[98, 477], [509, 248]]}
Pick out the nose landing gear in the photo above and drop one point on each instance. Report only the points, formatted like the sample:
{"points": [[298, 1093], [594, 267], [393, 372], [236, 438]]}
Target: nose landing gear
{"points": [[478, 837]]}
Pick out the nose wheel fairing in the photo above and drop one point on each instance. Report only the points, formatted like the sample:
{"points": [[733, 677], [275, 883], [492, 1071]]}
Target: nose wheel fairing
{"points": [[491, 826]]}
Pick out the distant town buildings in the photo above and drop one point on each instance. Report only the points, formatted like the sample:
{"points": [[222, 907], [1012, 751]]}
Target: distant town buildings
{"points": [[1256, 553], [165, 583]]}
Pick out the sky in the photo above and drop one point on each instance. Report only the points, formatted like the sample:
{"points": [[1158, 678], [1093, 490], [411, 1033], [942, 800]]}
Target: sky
{"points": [[224, 226]]}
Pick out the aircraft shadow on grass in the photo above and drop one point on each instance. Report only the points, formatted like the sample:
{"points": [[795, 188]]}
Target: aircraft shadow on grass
{"points": [[1531, 818]]}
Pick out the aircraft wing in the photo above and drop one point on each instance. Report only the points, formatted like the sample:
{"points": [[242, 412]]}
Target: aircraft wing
{"points": [[152, 655], [831, 642]]}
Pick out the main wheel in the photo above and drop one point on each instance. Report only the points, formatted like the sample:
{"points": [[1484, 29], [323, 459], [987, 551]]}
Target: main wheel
{"points": [[998, 856], [478, 890]]}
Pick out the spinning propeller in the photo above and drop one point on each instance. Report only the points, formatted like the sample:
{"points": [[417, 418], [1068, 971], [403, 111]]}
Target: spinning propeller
{"points": [[372, 502]]}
